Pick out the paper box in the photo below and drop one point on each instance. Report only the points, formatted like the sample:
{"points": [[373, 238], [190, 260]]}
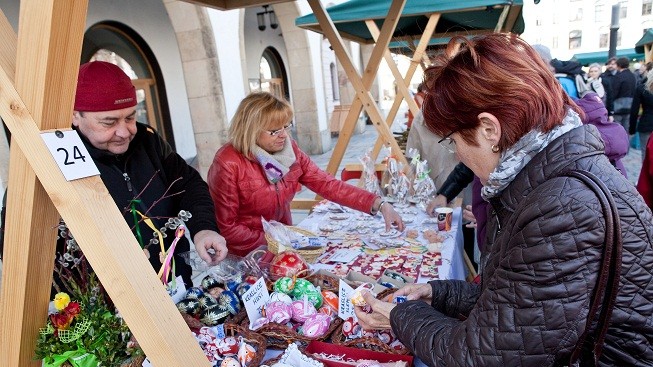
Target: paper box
{"points": [[353, 353], [354, 279]]}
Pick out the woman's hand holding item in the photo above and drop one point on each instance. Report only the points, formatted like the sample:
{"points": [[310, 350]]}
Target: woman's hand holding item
{"points": [[379, 318], [391, 217], [422, 291]]}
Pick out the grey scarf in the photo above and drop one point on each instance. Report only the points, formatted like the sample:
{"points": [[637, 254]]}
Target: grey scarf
{"points": [[516, 157], [278, 164]]}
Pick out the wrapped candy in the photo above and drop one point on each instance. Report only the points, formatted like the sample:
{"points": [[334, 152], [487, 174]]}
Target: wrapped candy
{"points": [[227, 346], [316, 325], [230, 362], [356, 296], [369, 174], [351, 329], [246, 353]]}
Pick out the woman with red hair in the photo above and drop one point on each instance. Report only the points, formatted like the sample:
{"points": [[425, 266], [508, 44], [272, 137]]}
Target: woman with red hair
{"points": [[553, 291]]}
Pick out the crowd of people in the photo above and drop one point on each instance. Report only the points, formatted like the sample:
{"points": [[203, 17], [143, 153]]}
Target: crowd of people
{"points": [[565, 241]]}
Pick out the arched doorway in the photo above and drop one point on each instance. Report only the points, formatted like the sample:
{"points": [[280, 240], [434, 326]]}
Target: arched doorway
{"points": [[117, 43], [273, 74]]}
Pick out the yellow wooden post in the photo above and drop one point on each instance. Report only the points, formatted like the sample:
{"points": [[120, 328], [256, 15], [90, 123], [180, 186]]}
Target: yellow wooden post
{"points": [[50, 37]]}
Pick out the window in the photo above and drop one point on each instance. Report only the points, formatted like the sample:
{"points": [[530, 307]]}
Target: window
{"points": [[576, 16], [538, 22], [554, 42], [619, 38], [623, 9], [575, 39], [604, 38], [599, 13], [646, 7]]}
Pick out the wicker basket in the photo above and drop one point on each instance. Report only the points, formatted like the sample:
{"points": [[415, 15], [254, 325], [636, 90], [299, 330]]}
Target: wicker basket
{"points": [[279, 336], [368, 343], [132, 362], [310, 255]]}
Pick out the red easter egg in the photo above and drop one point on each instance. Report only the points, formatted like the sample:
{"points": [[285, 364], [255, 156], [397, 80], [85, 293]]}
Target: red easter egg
{"points": [[287, 264]]}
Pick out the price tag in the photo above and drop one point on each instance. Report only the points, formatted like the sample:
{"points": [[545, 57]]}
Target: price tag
{"points": [[254, 299], [344, 256], [345, 307], [70, 154]]}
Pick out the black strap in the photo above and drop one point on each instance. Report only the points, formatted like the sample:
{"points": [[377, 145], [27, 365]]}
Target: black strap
{"points": [[590, 344]]}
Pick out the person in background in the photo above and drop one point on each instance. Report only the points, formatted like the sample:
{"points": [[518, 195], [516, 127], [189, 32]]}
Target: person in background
{"points": [[140, 170], [419, 99], [624, 84], [594, 74], [642, 124], [258, 172], [515, 128]]}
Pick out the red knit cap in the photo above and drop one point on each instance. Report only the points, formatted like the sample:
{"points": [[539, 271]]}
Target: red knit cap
{"points": [[102, 86]]}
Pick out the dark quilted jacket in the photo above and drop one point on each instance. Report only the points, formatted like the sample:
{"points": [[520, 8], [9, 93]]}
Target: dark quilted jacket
{"points": [[545, 239]]}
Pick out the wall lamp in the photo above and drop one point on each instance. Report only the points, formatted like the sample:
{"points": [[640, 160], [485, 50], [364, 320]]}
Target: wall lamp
{"points": [[260, 18]]}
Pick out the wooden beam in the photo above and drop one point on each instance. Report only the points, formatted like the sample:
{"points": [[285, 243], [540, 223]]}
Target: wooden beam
{"points": [[8, 42], [361, 86], [417, 56], [49, 47]]}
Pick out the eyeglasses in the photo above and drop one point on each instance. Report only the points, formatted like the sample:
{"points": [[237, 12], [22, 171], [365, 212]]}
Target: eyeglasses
{"points": [[278, 131], [448, 143]]}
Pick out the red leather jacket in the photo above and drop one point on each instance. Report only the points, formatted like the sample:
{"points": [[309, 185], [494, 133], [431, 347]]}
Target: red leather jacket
{"points": [[242, 195]]}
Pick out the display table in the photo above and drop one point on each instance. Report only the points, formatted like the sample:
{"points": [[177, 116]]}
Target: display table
{"points": [[349, 232]]}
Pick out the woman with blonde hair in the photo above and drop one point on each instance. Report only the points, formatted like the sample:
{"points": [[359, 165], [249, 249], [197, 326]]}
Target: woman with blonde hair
{"points": [[258, 172], [568, 255]]}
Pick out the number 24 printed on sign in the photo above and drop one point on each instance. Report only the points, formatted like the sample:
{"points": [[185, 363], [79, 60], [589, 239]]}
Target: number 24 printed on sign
{"points": [[68, 150]]}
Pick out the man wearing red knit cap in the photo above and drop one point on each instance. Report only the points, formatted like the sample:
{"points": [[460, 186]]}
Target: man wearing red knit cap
{"points": [[140, 170]]}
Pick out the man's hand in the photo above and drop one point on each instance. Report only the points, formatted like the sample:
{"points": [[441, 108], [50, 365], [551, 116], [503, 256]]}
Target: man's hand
{"points": [[207, 239], [437, 202], [468, 215]]}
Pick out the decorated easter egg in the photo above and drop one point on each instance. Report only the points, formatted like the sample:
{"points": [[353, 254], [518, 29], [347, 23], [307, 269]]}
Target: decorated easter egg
{"points": [[250, 279], [282, 297], [214, 315], [327, 310], [315, 297], [287, 264], [206, 301], [278, 312], [227, 346], [301, 287], [246, 353], [230, 301], [316, 325], [210, 282], [284, 285], [302, 310], [241, 289], [397, 345], [330, 299], [258, 323], [194, 293], [189, 306], [230, 362], [351, 329]]}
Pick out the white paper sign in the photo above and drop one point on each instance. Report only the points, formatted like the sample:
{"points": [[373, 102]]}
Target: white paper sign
{"points": [[344, 256], [254, 299], [147, 363], [179, 292], [70, 154], [345, 307]]}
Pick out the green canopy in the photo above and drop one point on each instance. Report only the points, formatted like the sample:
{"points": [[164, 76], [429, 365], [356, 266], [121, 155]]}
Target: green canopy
{"points": [[456, 16], [602, 56], [406, 47], [646, 39]]}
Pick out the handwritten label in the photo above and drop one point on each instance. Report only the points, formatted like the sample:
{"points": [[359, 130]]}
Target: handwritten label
{"points": [[70, 154], [254, 299], [178, 292], [345, 307]]}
